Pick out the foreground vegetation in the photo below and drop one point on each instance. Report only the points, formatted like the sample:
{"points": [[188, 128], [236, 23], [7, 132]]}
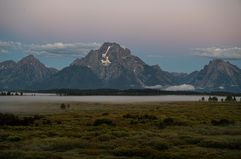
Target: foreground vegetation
{"points": [[174, 130]]}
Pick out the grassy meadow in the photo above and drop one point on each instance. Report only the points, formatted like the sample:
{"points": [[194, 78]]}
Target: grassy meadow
{"points": [[165, 130]]}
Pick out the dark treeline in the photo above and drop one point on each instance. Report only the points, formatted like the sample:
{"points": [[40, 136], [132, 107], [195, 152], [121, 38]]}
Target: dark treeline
{"points": [[9, 93], [130, 92]]}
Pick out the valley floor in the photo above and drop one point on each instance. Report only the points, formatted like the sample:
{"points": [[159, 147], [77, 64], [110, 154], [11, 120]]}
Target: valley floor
{"points": [[168, 130]]}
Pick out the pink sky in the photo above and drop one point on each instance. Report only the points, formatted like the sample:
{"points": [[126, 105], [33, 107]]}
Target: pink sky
{"points": [[189, 21], [161, 32]]}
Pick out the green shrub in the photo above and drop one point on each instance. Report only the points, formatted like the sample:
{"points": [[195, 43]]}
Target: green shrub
{"points": [[130, 116], [123, 151], [15, 154], [14, 138], [222, 144], [46, 122], [133, 122], [120, 133], [62, 106], [105, 137], [148, 117], [161, 125], [159, 144], [63, 144], [221, 122], [170, 122], [105, 114], [191, 139], [13, 120], [98, 122], [146, 152], [140, 117]]}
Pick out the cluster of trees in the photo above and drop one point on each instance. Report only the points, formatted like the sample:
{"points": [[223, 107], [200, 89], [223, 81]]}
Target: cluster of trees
{"points": [[64, 106], [11, 93], [231, 99], [215, 99]]}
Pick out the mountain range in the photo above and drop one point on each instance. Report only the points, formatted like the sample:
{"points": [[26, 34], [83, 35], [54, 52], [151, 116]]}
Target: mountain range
{"points": [[112, 66]]}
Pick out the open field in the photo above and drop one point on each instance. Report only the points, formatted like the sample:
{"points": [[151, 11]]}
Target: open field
{"points": [[166, 130]]}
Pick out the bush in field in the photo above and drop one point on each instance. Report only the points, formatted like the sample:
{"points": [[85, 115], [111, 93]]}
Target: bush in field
{"points": [[9, 119], [16, 154], [64, 144], [223, 144], [105, 114], [120, 133], [140, 117], [46, 122], [170, 122], [62, 106], [14, 138], [130, 116], [158, 144], [146, 152], [221, 122], [13, 120], [105, 137], [98, 122]]}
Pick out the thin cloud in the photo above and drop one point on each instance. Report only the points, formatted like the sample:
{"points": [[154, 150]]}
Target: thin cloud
{"points": [[55, 49], [183, 87], [221, 53], [154, 87], [8, 45]]}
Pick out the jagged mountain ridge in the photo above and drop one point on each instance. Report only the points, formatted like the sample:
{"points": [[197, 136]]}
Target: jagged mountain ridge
{"points": [[112, 66], [71, 77], [125, 69], [24, 73], [217, 75]]}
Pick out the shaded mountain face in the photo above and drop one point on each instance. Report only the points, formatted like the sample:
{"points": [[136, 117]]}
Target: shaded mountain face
{"points": [[6, 65], [72, 77], [6, 69], [118, 68], [23, 74], [217, 75]]}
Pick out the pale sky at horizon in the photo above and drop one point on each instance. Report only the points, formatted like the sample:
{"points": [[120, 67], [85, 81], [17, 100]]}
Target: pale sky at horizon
{"points": [[163, 32]]}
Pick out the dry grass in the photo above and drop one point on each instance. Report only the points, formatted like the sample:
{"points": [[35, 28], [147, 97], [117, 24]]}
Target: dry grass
{"points": [[150, 130]]}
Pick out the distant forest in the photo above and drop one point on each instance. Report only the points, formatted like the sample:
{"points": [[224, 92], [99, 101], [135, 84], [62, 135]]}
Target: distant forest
{"points": [[128, 92]]}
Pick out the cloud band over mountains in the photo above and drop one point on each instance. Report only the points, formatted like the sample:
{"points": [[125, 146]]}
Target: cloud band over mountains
{"points": [[55, 49], [233, 53]]}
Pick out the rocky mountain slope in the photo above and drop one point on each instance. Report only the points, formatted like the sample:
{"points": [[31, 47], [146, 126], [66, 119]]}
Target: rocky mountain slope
{"points": [[24, 73], [217, 75], [112, 66], [72, 77], [123, 69]]}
